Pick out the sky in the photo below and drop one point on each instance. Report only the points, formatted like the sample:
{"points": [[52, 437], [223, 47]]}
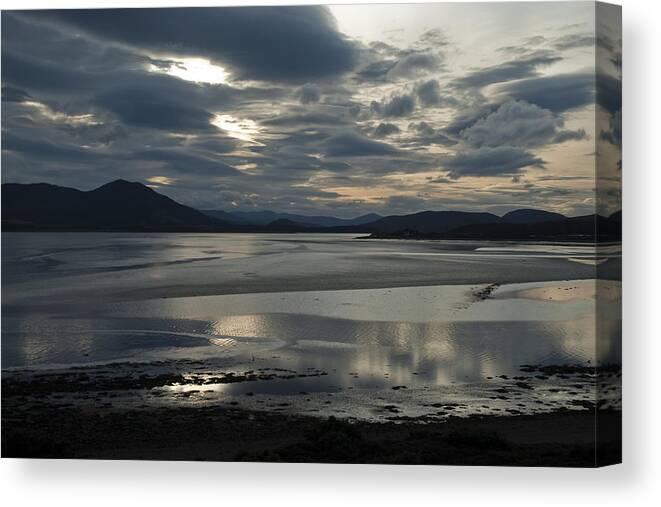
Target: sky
{"points": [[339, 110]]}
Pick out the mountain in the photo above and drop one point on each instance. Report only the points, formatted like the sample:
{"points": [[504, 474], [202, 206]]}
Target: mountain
{"points": [[531, 216], [583, 228], [267, 217], [125, 206], [222, 215], [241, 217], [119, 205], [430, 221], [524, 224], [363, 219]]}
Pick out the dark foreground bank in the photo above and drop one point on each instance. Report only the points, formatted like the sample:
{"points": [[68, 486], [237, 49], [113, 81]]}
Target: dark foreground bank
{"points": [[563, 438]]}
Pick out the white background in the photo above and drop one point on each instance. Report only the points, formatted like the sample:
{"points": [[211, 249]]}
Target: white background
{"points": [[636, 482]]}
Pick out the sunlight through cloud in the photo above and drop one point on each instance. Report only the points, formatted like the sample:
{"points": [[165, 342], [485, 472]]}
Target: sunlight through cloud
{"points": [[242, 129], [198, 70], [160, 180]]}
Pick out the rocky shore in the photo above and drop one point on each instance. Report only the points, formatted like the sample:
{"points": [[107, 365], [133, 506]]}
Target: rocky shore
{"points": [[562, 438], [80, 414]]}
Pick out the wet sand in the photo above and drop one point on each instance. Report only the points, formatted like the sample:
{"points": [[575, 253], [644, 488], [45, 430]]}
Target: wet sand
{"points": [[126, 267]]}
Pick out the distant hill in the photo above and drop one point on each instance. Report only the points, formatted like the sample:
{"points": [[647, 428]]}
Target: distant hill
{"points": [[531, 216], [584, 228], [125, 206], [267, 217], [523, 224], [119, 205], [431, 221], [222, 215], [363, 219]]}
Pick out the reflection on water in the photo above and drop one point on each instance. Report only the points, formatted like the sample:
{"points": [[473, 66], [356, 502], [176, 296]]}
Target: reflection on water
{"points": [[354, 353], [364, 338]]}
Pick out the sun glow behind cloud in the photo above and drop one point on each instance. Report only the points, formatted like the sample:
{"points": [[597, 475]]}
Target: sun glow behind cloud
{"points": [[58, 117], [160, 180], [242, 129], [198, 70]]}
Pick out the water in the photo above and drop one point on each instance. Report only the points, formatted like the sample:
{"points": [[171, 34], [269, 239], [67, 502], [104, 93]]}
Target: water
{"points": [[370, 315]]}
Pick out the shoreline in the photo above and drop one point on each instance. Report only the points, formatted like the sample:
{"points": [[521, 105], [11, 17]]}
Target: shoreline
{"points": [[561, 438], [88, 415]]}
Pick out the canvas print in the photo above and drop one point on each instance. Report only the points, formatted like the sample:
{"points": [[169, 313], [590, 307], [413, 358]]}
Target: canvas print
{"points": [[383, 234]]}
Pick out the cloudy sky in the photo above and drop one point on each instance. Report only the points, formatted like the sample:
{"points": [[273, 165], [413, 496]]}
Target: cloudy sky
{"points": [[339, 110]]}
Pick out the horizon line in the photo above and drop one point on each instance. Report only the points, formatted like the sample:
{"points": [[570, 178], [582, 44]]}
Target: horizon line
{"points": [[315, 214]]}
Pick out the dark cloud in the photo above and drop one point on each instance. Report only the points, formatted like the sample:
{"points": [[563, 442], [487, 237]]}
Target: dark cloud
{"points": [[415, 64], [315, 118], [612, 48], [616, 60], [187, 162], [570, 135], [563, 92], [11, 94], [427, 135], [557, 93], [216, 144], [508, 71], [131, 93], [308, 94], [21, 33], [375, 71], [520, 124], [397, 105], [386, 129], [286, 44], [423, 128], [34, 74], [429, 93], [354, 145], [46, 150], [609, 93], [486, 161], [614, 134], [467, 118], [144, 107], [386, 63]]}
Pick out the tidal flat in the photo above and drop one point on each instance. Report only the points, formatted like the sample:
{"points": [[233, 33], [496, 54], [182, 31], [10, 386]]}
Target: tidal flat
{"points": [[233, 334]]}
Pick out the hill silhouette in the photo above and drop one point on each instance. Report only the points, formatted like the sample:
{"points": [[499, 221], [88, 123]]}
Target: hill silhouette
{"points": [[131, 206], [118, 205]]}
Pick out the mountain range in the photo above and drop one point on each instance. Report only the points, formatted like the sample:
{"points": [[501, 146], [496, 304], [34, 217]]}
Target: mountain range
{"points": [[266, 217], [130, 206]]}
